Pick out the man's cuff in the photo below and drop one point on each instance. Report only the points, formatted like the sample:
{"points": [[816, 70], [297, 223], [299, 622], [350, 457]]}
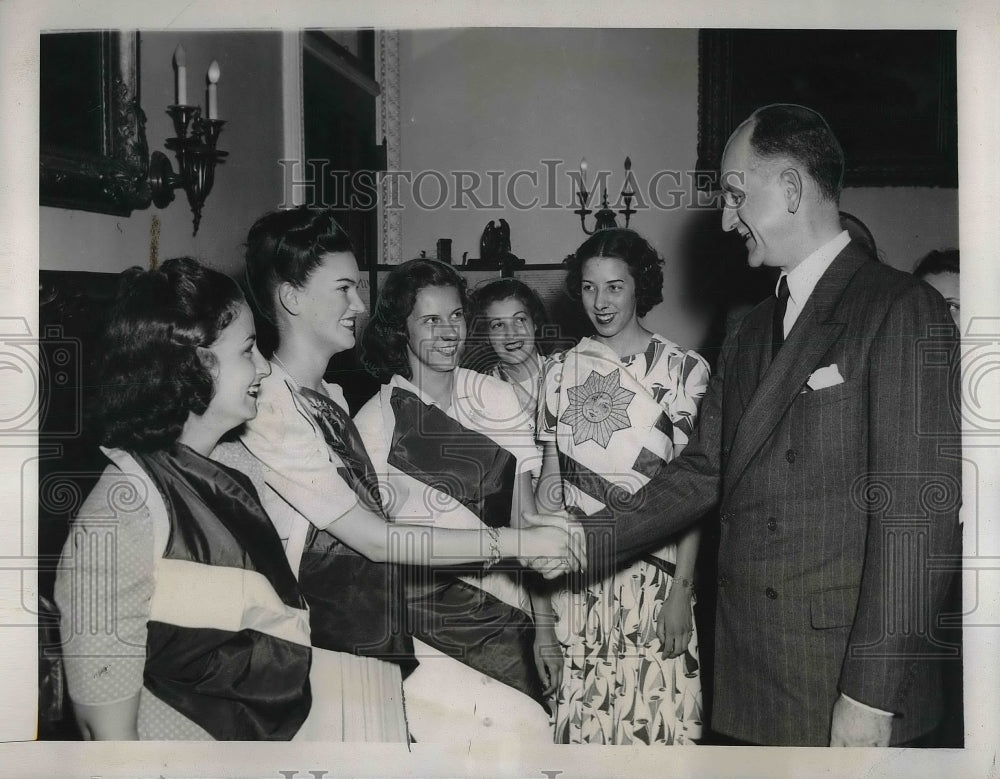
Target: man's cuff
{"points": [[865, 705]]}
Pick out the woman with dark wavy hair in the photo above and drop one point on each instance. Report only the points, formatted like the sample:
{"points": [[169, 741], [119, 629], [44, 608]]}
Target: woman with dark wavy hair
{"points": [[321, 490], [458, 446], [508, 323], [202, 630], [614, 409]]}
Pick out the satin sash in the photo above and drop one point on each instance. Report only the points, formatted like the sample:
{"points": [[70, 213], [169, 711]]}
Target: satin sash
{"points": [[244, 685], [451, 615], [355, 605]]}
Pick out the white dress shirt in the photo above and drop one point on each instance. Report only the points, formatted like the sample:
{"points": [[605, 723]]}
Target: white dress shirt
{"points": [[802, 279]]}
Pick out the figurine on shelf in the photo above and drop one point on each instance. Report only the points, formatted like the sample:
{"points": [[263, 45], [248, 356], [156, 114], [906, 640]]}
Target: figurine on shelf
{"points": [[489, 244], [494, 248]]}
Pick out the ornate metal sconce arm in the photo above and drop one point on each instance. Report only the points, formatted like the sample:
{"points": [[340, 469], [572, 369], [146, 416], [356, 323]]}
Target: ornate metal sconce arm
{"points": [[197, 157]]}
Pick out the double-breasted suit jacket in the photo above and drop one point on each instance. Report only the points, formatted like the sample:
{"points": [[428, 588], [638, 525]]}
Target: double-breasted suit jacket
{"points": [[839, 506]]}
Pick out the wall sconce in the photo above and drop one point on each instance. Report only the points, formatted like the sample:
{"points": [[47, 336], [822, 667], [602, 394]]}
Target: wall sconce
{"points": [[605, 218], [194, 145]]}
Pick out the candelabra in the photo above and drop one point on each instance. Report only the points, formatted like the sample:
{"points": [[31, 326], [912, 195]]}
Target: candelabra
{"points": [[605, 218], [197, 155]]}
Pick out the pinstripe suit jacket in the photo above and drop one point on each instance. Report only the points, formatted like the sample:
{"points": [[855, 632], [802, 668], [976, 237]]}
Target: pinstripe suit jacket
{"points": [[836, 504]]}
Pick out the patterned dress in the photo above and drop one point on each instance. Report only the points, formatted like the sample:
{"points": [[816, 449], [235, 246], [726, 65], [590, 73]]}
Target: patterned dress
{"points": [[615, 421]]}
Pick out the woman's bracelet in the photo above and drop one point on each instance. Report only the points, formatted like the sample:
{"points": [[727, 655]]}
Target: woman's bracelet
{"points": [[687, 584], [495, 555]]}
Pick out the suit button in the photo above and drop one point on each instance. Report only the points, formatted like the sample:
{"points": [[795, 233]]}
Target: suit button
{"points": [[790, 455], [723, 581], [487, 721], [724, 517], [771, 593], [772, 523]]}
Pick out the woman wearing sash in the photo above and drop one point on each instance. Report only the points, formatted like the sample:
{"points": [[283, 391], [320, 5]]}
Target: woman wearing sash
{"points": [[615, 408], [321, 490], [457, 446], [201, 629]]}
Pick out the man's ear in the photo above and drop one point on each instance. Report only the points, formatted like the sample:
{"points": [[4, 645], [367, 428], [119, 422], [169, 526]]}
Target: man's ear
{"points": [[288, 297], [791, 185]]}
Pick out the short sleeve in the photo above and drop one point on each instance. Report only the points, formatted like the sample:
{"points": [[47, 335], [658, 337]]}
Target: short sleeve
{"points": [[371, 429], [299, 465], [548, 398], [103, 589]]}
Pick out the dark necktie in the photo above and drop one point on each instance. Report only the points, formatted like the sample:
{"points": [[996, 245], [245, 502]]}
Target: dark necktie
{"points": [[778, 322]]}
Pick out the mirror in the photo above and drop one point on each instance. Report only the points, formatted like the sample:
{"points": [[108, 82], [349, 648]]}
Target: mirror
{"points": [[93, 153]]}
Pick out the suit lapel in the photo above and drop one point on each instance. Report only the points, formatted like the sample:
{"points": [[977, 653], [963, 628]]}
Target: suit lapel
{"points": [[817, 328], [754, 351]]}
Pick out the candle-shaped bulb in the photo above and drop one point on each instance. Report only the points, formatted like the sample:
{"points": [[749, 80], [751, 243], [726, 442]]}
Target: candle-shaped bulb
{"points": [[583, 174], [628, 163], [180, 62], [213, 95]]}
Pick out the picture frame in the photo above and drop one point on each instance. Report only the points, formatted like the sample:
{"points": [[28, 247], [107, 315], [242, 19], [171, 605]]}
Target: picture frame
{"points": [[890, 96], [93, 153]]}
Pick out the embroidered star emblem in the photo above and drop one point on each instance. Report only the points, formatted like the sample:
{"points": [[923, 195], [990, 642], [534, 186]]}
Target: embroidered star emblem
{"points": [[598, 408]]}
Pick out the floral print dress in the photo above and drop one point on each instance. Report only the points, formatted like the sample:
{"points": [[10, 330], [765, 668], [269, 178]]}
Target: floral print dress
{"points": [[615, 421]]}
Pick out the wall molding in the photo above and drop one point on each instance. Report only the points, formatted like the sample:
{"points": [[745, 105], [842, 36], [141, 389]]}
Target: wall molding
{"points": [[388, 132]]}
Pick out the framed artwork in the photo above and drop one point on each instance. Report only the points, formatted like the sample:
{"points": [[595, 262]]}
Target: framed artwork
{"points": [[889, 96], [93, 153]]}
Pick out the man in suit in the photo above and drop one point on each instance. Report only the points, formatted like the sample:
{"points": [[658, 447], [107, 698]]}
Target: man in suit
{"points": [[829, 441]]}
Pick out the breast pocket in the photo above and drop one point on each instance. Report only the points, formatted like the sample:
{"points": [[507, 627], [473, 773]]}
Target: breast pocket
{"points": [[834, 394]]}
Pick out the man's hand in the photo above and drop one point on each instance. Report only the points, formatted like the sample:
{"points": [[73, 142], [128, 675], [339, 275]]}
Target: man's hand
{"points": [[856, 726], [557, 519], [553, 544]]}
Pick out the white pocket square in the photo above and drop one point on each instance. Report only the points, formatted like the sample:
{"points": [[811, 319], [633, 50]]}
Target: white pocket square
{"points": [[822, 378]]}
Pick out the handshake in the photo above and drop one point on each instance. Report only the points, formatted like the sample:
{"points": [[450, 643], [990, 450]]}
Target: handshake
{"points": [[552, 544]]}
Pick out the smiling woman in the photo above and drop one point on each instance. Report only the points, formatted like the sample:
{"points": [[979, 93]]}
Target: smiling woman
{"points": [[457, 449], [320, 488], [167, 665], [614, 409]]}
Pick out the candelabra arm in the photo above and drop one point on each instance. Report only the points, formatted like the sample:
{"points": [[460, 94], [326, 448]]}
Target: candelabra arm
{"points": [[197, 156], [628, 210], [583, 212]]}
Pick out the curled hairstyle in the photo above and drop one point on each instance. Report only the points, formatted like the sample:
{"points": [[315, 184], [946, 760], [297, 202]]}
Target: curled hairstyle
{"points": [[384, 341], [287, 246], [151, 372], [643, 262], [937, 261], [797, 132], [481, 355]]}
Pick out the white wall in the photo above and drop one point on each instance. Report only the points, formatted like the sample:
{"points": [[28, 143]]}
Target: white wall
{"points": [[477, 100], [246, 185], [506, 99]]}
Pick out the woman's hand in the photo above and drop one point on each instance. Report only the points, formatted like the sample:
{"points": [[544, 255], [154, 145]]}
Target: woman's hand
{"points": [[552, 545], [675, 622], [109, 722], [548, 657]]}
